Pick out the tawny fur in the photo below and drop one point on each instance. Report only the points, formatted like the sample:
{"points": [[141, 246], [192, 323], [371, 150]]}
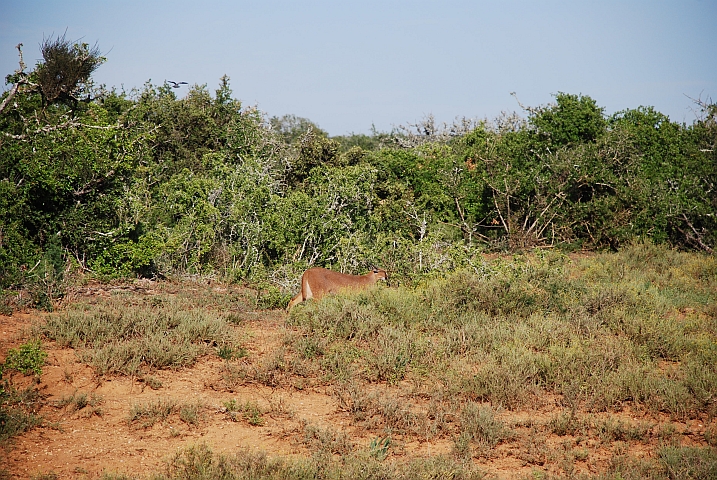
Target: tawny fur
{"points": [[317, 282]]}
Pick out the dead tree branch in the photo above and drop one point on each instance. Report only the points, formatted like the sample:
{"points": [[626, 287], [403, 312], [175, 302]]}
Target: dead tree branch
{"points": [[22, 79], [696, 238]]}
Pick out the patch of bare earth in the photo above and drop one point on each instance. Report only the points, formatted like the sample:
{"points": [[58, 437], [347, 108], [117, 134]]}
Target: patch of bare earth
{"points": [[84, 443]]}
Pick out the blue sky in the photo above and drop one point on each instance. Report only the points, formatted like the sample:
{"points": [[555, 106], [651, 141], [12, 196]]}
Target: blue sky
{"points": [[350, 65]]}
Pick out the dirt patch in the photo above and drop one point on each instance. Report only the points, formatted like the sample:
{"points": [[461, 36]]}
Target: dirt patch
{"points": [[94, 440]]}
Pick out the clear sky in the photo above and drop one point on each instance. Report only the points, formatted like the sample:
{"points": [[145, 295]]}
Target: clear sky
{"points": [[349, 65]]}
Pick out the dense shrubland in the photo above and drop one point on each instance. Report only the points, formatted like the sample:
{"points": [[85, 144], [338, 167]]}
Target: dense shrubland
{"points": [[145, 183]]}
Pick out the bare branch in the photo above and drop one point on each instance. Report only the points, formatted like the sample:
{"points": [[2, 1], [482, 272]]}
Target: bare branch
{"points": [[560, 196], [429, 130], [9, 97], [90, 185], [696, 238], [22, 80], [22, 62], [505, 225], [67, 124], [531, 110]]}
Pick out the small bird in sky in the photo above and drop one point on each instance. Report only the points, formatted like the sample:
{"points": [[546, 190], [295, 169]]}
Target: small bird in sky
{"points": [[176, 84]]}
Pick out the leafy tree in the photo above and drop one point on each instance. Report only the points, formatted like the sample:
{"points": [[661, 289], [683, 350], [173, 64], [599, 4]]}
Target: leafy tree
{"points": [[572, 120], [314, 150], [16, 247], [371, 142], [292, 128], [701, 231], [517, 192], [63, 166], [186, 129], [308, 224], [671, 179], [206, 215]]}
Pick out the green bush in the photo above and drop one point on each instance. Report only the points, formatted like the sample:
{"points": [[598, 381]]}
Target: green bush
{"points": [[18, 408], [27, 359]]}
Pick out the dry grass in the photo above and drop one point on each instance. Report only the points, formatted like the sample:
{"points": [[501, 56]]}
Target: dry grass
{"points": [[597, 331]]}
